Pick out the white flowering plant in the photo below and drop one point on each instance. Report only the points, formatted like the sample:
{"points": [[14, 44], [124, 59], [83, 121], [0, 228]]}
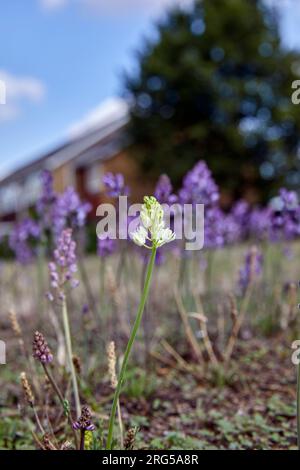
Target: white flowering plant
{"points": [[151, 234]]}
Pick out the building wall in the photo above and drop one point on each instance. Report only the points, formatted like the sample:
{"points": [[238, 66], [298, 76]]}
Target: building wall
{"points": [[63, 177], [87, 180], [139, 183]]}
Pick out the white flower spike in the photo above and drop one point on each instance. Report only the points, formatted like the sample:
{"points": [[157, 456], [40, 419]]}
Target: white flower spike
{"points": [[152, 228]]}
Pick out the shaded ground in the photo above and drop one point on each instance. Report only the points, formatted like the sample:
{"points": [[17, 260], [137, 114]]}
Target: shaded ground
{"points": [[255, 409]]}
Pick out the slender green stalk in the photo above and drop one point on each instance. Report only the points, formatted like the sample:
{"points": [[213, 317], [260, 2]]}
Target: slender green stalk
{"points": [[129, 347], [87, 285], [70, 356], [41, 279], [298, 406]]}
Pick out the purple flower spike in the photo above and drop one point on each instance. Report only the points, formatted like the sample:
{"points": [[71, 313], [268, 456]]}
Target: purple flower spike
{"points": [[70, 211], [41, 351], [284, 216], [84, 423], [163, 191], [23, 240], [199, 186], [64, 265]]}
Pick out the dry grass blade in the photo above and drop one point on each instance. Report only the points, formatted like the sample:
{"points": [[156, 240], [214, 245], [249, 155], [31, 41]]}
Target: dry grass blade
{"points": [[187, 327]]}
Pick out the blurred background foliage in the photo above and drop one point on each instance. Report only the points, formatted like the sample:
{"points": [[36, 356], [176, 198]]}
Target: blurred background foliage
{"points": [[215, 84]]}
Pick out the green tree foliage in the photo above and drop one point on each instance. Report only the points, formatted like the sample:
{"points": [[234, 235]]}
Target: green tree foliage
{"points": [[215, 84]]}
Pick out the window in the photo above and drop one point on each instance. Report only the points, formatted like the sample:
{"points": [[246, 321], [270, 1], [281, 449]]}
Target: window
{"points": [[93, 179]]}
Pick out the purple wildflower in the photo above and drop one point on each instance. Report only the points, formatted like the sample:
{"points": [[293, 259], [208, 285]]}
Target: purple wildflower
{"points": [[70, 211], [45, 204], [163, 191], [23, 240], [214, 228], [199, 186], [259, 223], [251, 269], [232, 229], [64, 265], [241, 213], [84, 423], [106, 247], [85, 309], [41, 350], [115, 185], [285, 218]]}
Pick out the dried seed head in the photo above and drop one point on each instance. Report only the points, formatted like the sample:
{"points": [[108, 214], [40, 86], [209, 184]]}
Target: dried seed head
{"points": [[77, 364], [111, 358], [233, 307], [48, 445], [113, 288], [130, 439], [41, 351], [27, 389], [14, 323], [67, 446], [84, 423], [292, 292]]}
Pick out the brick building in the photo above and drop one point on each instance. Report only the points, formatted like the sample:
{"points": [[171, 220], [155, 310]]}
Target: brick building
{"points": [[79, 162]]}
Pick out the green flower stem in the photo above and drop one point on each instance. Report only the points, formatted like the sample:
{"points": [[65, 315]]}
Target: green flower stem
{"points": [[298, 406], [70, 357], [129, 347]]}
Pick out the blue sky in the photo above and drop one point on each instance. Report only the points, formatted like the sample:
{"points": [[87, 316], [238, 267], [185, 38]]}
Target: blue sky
{"points": [[61, 59]]}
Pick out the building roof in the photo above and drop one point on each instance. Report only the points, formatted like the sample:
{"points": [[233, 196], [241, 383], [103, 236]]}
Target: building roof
{"points": [[99, 143]]}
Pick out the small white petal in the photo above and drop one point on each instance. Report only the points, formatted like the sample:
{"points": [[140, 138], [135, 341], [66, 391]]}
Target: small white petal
{"points": [[146, 221], [165, 236], [139, 236]]}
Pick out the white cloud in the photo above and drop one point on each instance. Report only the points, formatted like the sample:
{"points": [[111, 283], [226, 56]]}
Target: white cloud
{"points": [[18, 90], [53, 4], [107, 112], [116, 7], [8, 112], [120, 6]]}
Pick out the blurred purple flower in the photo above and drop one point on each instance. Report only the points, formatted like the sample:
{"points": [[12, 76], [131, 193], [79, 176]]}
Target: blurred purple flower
{"points": [[70, 211], [241, 213], [46, 202], [85, 309], [214, 228], [251, 269], [106, 247], [199, 187], [163, 191], [232, 229], [285, 216], [259, 223], [23, 240], [64, 265], [115, 185]]}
